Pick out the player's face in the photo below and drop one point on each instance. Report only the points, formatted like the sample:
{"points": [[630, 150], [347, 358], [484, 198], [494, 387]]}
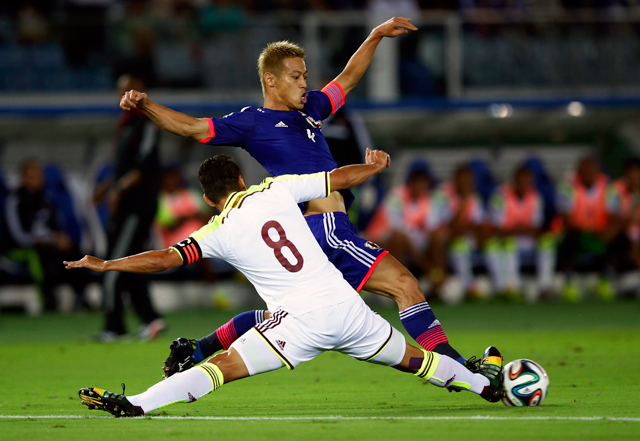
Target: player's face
{"points": [[291, 84]]}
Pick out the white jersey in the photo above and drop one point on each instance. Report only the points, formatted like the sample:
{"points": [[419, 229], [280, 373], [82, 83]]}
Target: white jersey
{"points": [[263, 234]]}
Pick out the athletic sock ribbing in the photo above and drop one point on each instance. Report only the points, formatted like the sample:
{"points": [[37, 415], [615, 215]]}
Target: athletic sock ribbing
{"points": [[187, 386], [422, 324]]}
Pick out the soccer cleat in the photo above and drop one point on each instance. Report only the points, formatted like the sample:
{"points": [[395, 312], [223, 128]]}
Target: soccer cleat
{"points": [[491, 367], [116, 404], [181, 357]]}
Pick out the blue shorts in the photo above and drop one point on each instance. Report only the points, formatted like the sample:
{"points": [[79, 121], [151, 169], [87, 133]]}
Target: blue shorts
{"points": [[354, 257]]}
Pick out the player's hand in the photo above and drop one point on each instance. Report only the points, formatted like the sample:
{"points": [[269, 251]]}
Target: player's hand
{"points": [[90, 262], [132, 100], [377, 157], [394, 27]]}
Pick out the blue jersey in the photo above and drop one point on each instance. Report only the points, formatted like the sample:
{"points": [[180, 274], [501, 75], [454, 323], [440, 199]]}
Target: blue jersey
{"points": [[283, 141]]}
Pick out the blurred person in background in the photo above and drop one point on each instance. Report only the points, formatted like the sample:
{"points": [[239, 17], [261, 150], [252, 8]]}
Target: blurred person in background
{"points": [[407, 223], [181, 210], [516, 212], [464, 222], [627, 193], [592, 225], [36, 238], [132, 194]]}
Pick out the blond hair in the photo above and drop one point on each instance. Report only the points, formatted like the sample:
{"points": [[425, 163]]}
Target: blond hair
{"points": [[272, 57]]}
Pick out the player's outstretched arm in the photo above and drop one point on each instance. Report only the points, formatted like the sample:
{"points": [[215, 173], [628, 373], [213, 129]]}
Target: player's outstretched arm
{"points": [[353, 175], [360, 60], [167, 119], [147, 262]]}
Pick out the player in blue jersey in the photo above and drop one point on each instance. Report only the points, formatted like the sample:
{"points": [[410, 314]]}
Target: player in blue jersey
{"points": [[285, 136]]}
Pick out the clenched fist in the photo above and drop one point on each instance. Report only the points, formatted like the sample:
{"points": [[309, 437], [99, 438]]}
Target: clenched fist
{"points": [[132, 100]]}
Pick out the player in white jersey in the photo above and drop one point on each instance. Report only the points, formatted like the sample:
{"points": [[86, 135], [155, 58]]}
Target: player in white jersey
{"points": [[262, 232]]}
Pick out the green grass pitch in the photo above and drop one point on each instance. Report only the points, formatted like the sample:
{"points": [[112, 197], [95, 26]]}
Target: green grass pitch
{"points": [[591, 352]]}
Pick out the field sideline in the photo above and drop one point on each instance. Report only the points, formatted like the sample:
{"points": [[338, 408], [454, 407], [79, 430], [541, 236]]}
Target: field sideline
{"points": [[591, 352]]}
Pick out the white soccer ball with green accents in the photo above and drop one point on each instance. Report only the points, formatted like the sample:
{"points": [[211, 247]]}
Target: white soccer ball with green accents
{"points": [[525, 383]]}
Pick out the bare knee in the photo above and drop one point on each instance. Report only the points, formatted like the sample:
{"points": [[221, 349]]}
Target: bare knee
{"points": [[230, 364]]}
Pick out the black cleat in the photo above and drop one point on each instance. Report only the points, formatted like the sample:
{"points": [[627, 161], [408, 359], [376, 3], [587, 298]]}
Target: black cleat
{"points": [[491, 367], [181, 357], [116, 404]]}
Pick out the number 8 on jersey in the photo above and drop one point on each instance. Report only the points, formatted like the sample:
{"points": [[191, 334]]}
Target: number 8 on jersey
{"points": [[281, 243]]}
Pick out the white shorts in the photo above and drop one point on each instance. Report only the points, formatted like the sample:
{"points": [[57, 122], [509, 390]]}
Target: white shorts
{"points": [[350, 327]]}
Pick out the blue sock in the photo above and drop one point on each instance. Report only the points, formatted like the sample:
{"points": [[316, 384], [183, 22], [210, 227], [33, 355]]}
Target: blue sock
{"points": [[226, 334], [422, 324], [197, 356]]}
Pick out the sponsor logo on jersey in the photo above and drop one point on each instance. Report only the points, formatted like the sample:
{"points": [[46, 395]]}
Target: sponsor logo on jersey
{"points": [[281, 344], [371, 245], [191, 398], [281, 124]]}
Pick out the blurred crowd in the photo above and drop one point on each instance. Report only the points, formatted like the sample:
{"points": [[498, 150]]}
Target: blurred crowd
{"points": [[587, 223], [527, 228]]}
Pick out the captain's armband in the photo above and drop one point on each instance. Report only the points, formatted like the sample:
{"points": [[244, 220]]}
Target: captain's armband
{"points": [[189, 250]]}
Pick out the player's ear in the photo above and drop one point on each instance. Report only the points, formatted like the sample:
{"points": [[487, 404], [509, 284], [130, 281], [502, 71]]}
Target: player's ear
{"points": [[270, 79], [208, 201], [243, 187]]}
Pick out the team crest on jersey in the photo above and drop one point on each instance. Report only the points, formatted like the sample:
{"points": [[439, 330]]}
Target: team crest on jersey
{"points": [[371, 245], [315, 124]]}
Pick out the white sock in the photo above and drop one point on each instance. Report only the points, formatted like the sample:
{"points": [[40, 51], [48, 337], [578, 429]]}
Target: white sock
{"points": [[545, 265], [441, 370], [185, 386], [495, 264], [461, 260], [512, 268]]}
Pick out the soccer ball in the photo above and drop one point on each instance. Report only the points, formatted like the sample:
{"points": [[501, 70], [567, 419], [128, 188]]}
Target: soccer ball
{"points": [[525, 383]]}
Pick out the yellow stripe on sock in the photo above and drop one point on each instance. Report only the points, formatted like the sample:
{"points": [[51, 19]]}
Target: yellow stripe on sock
{"points": [[429, 365], [460, 385], [214, 373]]}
